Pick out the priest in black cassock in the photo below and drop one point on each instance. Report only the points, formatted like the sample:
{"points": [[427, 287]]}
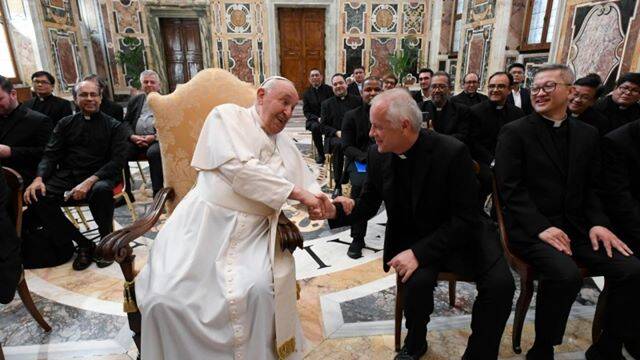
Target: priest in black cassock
{"points": [[444, 115], [82, 163], [429, 189], [332, 112], [107, 106], [10, 261], [470, 95], [45, 102], [315, 94], [621, 106], [586, 91]]}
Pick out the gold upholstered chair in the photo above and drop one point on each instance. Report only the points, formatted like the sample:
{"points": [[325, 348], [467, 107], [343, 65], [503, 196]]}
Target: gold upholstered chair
{"points": [[179, 117]]}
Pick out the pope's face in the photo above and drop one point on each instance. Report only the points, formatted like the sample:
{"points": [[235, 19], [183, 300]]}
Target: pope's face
{"points": [[277, 106]]}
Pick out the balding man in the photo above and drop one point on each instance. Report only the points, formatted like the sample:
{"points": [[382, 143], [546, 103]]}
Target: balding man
{"points": [[142, 131], [312, 98], [470, 95], [429, 189], [81, 164], [216, 273]]}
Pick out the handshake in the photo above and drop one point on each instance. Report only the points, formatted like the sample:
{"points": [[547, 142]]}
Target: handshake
{"points": [[321, 207]]}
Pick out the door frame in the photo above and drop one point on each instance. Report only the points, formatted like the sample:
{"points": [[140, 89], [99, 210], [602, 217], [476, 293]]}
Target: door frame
{"points": [[331, 23], [156, 45]]}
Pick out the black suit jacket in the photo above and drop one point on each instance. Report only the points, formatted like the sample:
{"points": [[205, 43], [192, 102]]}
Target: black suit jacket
{"points": [[615, 115], [332, 112], [27, 133], [468, 100], [52, 106], [134, 108], [10, 260], [417, 96], [352, 89], [444, 193], [355, 133], [525, 97], [537, 191], [311, 101], [485, 125], [621, 149], [594, 118], [453, 119]]}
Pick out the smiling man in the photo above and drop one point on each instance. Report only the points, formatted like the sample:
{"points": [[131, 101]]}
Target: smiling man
{"points": [[470, 95], [586, 91], [548, 170], [45, 102], [621, 106]]}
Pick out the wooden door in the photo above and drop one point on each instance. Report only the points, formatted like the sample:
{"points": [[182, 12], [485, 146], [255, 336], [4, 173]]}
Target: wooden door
{"points": [[301, 44], [182, 49]]}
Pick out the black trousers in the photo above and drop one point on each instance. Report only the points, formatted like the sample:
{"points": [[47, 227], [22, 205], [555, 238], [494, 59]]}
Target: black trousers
{"points": [[490, 310], [10, 261], [337, 158], [560, 282], [316, 135], [155, 164], [359, 230], [100, 201]]}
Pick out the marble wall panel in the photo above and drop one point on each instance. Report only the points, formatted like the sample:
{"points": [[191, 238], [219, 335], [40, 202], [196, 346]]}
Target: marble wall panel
{"points": [[127, 17], [480, 10], [64, 48], [516, 23], [381, 48], [238, 18], [475, 52], [354, 17], [58, 12], [446, 26], [384, 18], [241, 58], [111, 55], [531, 65], [413, 18], [353, 53]]}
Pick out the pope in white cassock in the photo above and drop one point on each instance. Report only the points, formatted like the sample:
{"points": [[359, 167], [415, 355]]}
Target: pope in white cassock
{"points": [[216, 285]]}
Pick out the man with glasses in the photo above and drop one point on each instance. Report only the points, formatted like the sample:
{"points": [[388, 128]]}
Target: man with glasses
{"points": [[311, 100], [519, 95], [442, 114], [547, 169], [470, 95], [621, 106], [586, 91], [45, 102], [424, 79], [389, 82]]}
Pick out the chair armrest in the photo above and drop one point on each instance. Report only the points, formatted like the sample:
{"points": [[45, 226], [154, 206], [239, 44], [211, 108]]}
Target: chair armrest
{"points": [[115, 246]]}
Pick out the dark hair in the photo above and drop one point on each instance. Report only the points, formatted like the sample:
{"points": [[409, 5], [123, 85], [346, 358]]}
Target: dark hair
{"points": [[358, 67], [50, 77], [464, 78], [632, 77], [5, 84], [96, 78], [338, 74], [425, 70], [498, 73], [372, 78], [391, 76], [514, 65], [315, 69], [593, 81], [443, 73]]}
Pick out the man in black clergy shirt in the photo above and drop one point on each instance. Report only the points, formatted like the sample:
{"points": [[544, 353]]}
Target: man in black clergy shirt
{"points": [[355, 144], [548, 169], [311, 100], [470, 95], [429, 189], [82, 163], [10, 261], [442, 114], [332, 112], [106, 105], [45, 102], [586, 91], [355, 88], [621, 106], [23, 133]]}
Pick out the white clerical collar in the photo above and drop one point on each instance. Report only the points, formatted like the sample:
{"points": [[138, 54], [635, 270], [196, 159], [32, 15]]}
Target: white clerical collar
{"points": [[402, 156], [499, 107], [556, 123], [87, 117], [574, 115]]}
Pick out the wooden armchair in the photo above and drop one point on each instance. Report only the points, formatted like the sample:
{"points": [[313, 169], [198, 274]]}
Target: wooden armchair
{"points": [[14, 209], [179, 117]]}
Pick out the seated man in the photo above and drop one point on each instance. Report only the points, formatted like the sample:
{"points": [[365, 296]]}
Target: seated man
{"points": [[332, 112], [389, 82], [470, 95], [547, 169], [427, 184], [45, 102], [142, 131], [10, 262], [107, 106], [424, 94], [586, 91], [519, 95], [81, 164], [23, 133], [355, 144], [621, 106], [442, 114], [311, 100], [355, 88]]}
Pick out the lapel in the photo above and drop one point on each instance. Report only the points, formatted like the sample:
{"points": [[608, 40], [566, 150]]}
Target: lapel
{"points": [[425, 143], [546, 142], [12, 121]]}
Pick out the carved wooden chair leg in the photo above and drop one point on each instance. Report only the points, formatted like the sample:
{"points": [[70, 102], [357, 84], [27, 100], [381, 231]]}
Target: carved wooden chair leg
{"points": [[25, 296], [1, 353], [452, 293], [524, 300], [398, 313], [598, 318]]}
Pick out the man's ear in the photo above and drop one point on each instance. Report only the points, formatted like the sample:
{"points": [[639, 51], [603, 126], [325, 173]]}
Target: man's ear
{"points": [[260, 95]]}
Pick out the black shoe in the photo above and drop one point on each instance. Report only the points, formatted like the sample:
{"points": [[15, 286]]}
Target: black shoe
{"points": [[84, 257], [595, 353], [355, 249], [320, 159], [404, 353], [633, 349], [336, 192], [101, 263], [539, 353]]}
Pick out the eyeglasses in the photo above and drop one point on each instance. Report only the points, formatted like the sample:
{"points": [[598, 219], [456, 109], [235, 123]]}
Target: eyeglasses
{"points": [[439, 86], [41, 82], [497, 86], [629, 90], [583, 97], [548, 87]]}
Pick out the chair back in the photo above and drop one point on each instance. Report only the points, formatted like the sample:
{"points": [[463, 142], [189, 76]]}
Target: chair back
{"points": [[179, 117], [513, 260], [14, 202]]}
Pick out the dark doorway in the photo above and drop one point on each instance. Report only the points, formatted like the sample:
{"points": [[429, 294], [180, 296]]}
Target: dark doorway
{"points": [[182, 49]]}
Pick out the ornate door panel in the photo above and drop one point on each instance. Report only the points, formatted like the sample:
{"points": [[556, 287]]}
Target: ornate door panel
{"points": [[182, 49]]}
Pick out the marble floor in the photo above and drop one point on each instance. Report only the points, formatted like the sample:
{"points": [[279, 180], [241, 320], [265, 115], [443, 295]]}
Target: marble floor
{"points": [[346, 306]]}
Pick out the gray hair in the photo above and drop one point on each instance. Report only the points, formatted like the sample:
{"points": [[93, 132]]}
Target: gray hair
{"points": [[149, 72], [399, 105], [566, 72], [77, 86]]}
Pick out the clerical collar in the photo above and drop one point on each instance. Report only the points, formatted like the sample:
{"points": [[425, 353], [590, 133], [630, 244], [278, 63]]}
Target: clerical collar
{"points": [[43, 98], [411, 153], [342, 97], [574, 115], [554, 123], [499, 107]]}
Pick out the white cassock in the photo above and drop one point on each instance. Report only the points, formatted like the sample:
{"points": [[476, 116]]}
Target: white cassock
{"points": [[216, 285]]}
